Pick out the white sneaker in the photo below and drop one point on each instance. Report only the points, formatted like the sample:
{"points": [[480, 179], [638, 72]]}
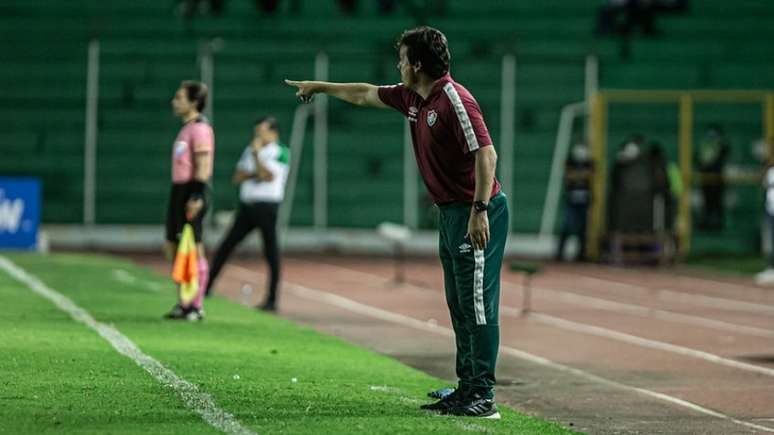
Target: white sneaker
{"points": [[765, 277]]}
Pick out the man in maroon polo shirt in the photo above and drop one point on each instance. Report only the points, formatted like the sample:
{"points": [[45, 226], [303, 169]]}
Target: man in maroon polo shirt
{"points": [[457, 162]]}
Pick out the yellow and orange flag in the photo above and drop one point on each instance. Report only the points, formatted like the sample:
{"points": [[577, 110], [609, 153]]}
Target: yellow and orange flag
{"points": [[185, 271]]}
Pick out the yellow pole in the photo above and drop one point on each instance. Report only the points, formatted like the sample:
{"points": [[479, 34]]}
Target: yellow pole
{"points": [[686, 169], [598, 117]]}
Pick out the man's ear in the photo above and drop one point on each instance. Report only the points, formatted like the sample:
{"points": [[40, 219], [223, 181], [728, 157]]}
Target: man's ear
{"points": [[417, 67]]}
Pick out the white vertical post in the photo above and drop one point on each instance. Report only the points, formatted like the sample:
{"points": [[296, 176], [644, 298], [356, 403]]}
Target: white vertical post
{"points": [[90, 137], [296, 147], [410, 188], [321, 146], [507, 119], [555, 181], [207, 73], [591, 86]]}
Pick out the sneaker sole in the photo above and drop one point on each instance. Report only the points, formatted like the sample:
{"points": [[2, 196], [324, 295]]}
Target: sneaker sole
{"points": [[495, 416]]}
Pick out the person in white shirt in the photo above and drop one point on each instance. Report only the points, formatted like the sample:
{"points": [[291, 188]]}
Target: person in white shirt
{"points": [[767, 276], [261, 174]]}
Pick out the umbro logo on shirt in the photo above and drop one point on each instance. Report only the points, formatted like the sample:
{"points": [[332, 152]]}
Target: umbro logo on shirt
{"points": [[465, 248]]}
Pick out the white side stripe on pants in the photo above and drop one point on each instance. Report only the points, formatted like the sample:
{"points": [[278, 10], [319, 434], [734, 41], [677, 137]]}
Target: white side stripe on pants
{"points": [[478, 286]]}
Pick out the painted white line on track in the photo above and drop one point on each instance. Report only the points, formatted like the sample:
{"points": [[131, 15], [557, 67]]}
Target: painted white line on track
{"points": [[623, 337], [593, 302], [643, 311], [638, 341], [688, 279], [196, 400], [669, 295], [378, 313]]}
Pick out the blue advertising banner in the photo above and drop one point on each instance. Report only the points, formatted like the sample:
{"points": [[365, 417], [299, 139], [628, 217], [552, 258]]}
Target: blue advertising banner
{"points": [[19, 212]]}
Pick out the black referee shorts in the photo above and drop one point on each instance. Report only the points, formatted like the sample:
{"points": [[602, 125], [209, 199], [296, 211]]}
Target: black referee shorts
{"points": [[178, 197]]}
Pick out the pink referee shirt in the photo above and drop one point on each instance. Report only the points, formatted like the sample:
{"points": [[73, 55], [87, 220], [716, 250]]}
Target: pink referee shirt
{"points": [[195, 137], [446, 129]]}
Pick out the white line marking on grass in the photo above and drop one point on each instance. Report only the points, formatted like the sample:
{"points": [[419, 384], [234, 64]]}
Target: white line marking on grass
{"points": [[469, 427], [402, 320], [385, 389], [127, 278], [196, 400], [396, 391]]}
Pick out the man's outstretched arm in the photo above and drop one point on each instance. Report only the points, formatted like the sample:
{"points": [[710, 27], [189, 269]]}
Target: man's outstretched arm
{"points": [[359, 94]]}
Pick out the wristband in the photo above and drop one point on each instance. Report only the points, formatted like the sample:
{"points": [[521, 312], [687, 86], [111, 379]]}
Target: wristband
{"points": [[196, 189]]}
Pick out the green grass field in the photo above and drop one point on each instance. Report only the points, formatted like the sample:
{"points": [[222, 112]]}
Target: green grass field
{"points": [[734, 265], [59, 376]]}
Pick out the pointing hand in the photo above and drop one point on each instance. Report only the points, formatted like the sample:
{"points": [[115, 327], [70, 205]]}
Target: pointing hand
{"points": [[305, 90]]}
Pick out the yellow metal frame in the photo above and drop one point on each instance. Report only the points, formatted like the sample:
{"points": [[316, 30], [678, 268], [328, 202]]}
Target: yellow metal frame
{"points": [[686, 101]]}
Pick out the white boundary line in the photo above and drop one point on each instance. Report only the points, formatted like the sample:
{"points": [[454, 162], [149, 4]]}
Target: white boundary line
{"points": [[198, 401], [638, 341], [627, 338], [704, 282], [125, 277], [668, 295], [594, 302], [643, 311], [370, 311]]}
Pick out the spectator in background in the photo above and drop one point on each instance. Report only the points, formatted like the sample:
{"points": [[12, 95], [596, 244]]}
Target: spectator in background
{"points": [[577, 197], [348, 7], [631, 195], [670, 6], [767, 276], [386, 7], [662, 193], [620, 17], [713, 156], [667, 189], [270, 7], [261, 174], [190, 8]]}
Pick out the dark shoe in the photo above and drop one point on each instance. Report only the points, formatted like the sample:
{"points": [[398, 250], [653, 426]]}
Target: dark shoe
{"points": [[176, 313], [452, 400], [475, 406], [270, 307]]}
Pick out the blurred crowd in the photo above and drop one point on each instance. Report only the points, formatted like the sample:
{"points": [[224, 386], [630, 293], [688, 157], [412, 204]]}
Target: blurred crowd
{"points": [[644, 192]]}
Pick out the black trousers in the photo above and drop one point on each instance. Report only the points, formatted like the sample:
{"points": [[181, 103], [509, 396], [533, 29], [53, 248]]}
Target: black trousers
{"points": [[261, 215], [176, 218], [574, 224]]}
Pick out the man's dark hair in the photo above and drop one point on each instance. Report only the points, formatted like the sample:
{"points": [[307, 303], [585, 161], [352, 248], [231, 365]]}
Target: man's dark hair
{"points": [[428, 46], [270, 121], [196, 92]]}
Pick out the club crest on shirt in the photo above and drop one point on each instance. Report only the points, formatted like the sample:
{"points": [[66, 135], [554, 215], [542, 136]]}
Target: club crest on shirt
{"points": [[431, 118], [180, 148]]}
